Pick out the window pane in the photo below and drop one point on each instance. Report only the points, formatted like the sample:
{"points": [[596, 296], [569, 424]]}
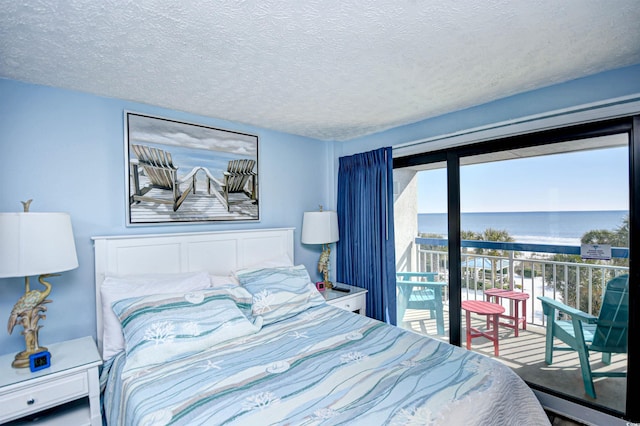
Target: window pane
{"points": [[420, 211], [525, 215]]}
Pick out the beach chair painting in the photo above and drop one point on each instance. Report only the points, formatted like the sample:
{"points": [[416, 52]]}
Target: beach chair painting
{"points": [[188, 173], [240, 178]]}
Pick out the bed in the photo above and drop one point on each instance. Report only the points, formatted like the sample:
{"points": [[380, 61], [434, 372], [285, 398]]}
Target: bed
{"points": [[224, 328]]}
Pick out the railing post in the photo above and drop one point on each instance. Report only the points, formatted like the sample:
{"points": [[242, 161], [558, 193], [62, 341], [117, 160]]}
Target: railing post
{"points": [[590, 293], [577, 287], [511, 270]]}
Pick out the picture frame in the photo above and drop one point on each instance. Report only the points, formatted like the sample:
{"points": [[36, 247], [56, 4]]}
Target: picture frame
{"points": [[178, 172]]}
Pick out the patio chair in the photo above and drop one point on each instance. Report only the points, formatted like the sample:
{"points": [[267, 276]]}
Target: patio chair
{"points": [[606, 333], [238, 174], [162, 174], [426, 294]]}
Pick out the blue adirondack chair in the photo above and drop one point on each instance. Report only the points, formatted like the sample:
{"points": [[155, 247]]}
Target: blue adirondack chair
{"points": [[606, 333], [422, 293]]}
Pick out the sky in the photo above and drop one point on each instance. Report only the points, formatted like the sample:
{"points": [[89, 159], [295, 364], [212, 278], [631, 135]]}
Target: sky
{"points": [[587, 180]]}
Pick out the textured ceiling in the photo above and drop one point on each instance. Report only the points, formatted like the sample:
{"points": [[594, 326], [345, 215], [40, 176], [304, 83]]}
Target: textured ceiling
{"points": [[330, 69]]}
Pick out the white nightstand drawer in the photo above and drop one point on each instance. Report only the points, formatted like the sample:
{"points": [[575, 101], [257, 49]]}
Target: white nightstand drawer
{"points": [[351, 304], [35, 398]]}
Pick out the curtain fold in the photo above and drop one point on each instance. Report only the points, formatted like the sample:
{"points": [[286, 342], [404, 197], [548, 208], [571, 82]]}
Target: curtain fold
{"points": [[366, 250]]}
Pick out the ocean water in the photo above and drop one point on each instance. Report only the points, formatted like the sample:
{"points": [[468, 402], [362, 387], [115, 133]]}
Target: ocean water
{"points": [[563, 228]]}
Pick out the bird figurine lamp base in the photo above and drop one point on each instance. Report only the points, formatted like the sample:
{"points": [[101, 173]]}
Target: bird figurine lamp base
{"points": [[28, 311], [323, 265]]}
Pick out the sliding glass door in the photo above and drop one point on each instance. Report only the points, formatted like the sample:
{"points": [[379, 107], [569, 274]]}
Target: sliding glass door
{"points": [[533, 223]]}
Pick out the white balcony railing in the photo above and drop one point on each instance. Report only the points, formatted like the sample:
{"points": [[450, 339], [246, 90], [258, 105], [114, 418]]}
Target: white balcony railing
{"points": [[524, 267]]}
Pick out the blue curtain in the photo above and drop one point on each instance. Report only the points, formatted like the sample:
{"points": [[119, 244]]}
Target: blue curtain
{"points": [[366, 249]]}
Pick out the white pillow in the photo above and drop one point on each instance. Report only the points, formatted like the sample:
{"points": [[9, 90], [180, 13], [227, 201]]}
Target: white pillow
{"points": [[123, 287]]}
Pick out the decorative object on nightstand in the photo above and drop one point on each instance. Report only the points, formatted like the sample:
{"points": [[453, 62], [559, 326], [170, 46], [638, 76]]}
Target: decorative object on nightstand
{"points": [[321, 228], [34, 244], [39, 361]]}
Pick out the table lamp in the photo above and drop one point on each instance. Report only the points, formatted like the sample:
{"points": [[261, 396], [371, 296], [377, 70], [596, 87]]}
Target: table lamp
{"points": [[34, 244], [321, 228]]}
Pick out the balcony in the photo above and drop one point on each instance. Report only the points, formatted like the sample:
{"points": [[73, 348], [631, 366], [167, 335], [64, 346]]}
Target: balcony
{"points": [[528, 268]]}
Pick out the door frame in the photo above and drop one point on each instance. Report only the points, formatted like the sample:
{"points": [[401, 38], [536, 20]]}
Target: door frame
{"points": [[453, 156]]}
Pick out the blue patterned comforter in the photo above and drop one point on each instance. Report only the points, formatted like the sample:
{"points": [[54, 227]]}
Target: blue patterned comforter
{"points": [[324, 366]]}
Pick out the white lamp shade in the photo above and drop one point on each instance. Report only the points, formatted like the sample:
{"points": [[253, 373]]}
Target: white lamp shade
{"points": [[320, 227], [36, 243]]}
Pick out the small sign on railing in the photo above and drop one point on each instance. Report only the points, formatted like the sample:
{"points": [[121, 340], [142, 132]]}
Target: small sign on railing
{"points": [[595, 251]]}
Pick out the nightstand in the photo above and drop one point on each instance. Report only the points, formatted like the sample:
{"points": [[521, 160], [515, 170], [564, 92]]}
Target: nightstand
{"points": [[355, 300], [70, 386]]}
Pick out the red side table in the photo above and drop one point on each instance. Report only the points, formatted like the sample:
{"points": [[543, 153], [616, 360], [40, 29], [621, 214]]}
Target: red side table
{"points": [[516, 297], [492, 311]]}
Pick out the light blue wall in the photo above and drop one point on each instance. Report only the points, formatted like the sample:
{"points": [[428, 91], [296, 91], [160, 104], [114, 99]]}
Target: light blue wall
{"points": [[599, 87], [65, 150]]}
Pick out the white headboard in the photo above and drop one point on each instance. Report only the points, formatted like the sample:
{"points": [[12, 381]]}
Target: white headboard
{"points": [[218, 253]]}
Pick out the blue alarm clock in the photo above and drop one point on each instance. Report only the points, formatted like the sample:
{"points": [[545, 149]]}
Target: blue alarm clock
{"points": [[39, 361]]}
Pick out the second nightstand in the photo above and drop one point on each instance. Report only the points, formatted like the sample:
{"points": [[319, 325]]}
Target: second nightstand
{"points": [[355, 300]]}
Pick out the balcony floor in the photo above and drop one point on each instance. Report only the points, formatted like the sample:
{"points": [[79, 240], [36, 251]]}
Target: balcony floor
{"points": [[525, 355]]}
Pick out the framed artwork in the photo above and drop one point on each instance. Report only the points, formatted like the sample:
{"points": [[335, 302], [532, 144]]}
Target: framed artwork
{"points": [[180, 173]]}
